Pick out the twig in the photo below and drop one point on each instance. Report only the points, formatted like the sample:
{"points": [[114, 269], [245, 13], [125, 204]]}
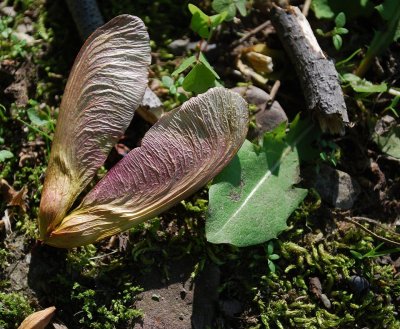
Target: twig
{"points": [[349, 219], [375, 222], [274, 91], [252, 32], [104, 255], [394, 92], [317, 74], [306, 7]]}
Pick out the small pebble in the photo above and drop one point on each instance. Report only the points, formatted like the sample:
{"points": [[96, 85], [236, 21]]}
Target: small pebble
{"points": [[325, 300], [8, 11]]}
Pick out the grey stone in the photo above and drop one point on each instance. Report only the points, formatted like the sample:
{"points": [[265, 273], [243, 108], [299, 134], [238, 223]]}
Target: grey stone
{"points": [[8, 11], [336, 187], [267, 117], [178, 47]]}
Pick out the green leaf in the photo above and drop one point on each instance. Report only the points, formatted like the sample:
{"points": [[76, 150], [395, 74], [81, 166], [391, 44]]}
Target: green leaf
{"points": [[217, 19], [200, 22], [270, 248], [337, 41], [36, 119], [241, 6], [184, 65], [341, 30], [340, 20], [199, 79], [271, 266], [320, 32], [252, 198], [390, 11], [5, 154], [389, 143], [330, 8], [167, 81], [204, 60], [356, 254], [363, 86], [322, 9], [387, 9], [227, 6]]}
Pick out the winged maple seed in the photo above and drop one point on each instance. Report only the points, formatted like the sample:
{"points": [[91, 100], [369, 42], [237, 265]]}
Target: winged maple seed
{"points": [[179, 154]]}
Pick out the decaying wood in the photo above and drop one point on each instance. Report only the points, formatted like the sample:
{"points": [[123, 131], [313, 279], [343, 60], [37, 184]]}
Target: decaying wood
{"points": [[318, 76]]}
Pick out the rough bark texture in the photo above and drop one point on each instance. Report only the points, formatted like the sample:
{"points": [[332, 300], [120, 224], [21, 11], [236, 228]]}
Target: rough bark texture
{"points": [[318, 76]]}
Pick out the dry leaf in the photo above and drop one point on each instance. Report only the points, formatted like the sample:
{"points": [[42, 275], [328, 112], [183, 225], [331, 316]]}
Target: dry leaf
{"points": [[13, 197], [38, 320]]}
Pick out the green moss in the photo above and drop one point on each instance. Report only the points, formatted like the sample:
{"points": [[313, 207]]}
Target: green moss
{"points": [[285, 299]]}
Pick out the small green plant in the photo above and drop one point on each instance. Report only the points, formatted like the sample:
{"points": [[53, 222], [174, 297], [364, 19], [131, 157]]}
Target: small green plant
{"points": [[5, 154], [117, 312], [272, 257], [393, 106], [11, 47], [373, 253], [174, 87], [14, 307], [201, 76], [330, 152], [41, 120], [337, 32]]}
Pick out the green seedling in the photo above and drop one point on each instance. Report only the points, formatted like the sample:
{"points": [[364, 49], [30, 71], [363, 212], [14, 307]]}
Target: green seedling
{"points": [[174, 87], [203, 24], [201, 75], [271, 256], [373, 253], [330, 152], [393, 106], [337, 32], [41, 121]]}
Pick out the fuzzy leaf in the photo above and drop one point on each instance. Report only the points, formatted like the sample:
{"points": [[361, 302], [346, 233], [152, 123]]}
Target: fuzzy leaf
{"points": [[106, 85], [179, 154], [252, 198]]}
